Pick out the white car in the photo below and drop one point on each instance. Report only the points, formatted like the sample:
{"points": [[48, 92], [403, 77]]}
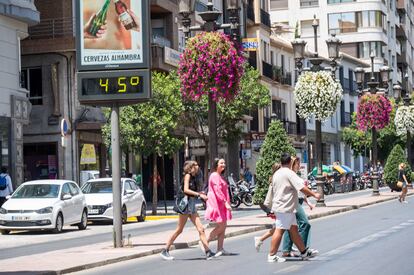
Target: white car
{"points": [[44, 204], [98, 194]]}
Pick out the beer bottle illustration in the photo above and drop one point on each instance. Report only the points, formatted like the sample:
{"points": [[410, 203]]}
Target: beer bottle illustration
{"points": [[100, 18], [124, 16]]}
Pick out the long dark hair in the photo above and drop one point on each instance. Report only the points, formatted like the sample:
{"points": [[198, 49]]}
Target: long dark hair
{"points": [[215, 165]]}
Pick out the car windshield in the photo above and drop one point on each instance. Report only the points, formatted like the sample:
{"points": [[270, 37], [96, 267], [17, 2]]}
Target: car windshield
{"points": [[97, 187], [37, 191]]}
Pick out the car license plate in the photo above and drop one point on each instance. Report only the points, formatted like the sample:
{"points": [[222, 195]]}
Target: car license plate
{"points": [[93, 211], [20, 218]]}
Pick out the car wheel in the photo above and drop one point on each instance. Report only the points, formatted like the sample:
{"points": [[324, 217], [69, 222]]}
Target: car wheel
{"points": [[124, 214], [84, 221], [5, 232], [143, 215], [58, 224]]}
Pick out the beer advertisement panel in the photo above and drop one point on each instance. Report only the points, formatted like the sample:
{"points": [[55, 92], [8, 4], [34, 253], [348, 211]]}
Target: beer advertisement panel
{"points": [[112, 34]]}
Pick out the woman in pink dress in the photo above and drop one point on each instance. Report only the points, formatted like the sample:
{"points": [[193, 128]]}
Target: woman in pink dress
{"points": [[218, 205]]}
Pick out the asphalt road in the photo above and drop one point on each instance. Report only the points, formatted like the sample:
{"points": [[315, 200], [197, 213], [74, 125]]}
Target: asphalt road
{"points": [[29, 243], [370, 241]]}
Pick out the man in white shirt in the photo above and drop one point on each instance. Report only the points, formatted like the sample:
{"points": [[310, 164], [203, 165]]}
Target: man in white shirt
{"points": [[286, 185], [9, 187]]}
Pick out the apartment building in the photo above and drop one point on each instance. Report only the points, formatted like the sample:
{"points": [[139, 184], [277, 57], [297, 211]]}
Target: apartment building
{"points": [[15, 18]]}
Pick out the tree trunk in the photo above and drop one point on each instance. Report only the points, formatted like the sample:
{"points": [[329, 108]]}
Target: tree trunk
{"points": [[154, 184], [206, 162], [234, 168]]}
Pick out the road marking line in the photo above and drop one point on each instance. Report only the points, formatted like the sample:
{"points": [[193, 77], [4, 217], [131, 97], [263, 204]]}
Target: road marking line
{"points": [[291, 268], [348, 247]]}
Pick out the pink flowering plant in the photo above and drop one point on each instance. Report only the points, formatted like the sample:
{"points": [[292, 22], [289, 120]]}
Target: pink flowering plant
{"points": [[373, 112], [210, 65]]}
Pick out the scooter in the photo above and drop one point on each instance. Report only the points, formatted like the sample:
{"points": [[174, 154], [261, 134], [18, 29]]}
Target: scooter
{"points": [[239, 192]]}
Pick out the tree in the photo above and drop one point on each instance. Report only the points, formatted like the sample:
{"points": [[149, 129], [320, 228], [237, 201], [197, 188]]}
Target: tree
{"points": [[275, 144], [391, 167], [252, 94], [358, 140], [149, 127]]}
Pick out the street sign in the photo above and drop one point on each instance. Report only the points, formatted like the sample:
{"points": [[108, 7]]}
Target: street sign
{"points": [[64, 128], [107, 87], [250, 44]]}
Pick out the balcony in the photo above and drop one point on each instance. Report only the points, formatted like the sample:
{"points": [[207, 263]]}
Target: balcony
{"points": [[250, 13], [53, 28], [401, 31], [402, 58], [265, 18], [345, 119], [50, 35], [287, 79], [267, 70], [401, 5]]}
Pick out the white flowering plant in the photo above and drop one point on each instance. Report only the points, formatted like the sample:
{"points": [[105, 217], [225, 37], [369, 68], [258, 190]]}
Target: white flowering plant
{"points": [[404, 120], [317, 94]]}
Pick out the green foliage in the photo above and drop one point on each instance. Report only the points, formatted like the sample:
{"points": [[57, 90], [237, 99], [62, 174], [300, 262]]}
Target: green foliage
{"points": [[358, 140], [252, 94], [149, 127], [275, 144], [391, 167]]}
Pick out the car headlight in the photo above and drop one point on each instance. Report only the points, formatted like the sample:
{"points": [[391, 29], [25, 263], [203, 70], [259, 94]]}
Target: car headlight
{"points": [[45, 210], [3, 211]]}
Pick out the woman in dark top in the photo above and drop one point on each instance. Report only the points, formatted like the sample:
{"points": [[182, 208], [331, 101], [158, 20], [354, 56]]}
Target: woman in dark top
{"points": [[190, 189], [402, 178]]}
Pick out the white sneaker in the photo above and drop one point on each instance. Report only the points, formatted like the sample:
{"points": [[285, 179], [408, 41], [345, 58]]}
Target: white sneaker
{"points": [[405, 201], [200, 244], [166, 255], [309, 253], [222, 253], [257, 243], [275, 258]]}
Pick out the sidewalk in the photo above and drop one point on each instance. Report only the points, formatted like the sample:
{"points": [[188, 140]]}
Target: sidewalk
{"points": [[85, 257]]}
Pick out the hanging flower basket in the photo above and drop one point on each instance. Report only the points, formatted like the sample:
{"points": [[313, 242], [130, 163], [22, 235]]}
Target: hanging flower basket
{"points": [[373, 112], [317, 94], [210, 64], [404, 120]]}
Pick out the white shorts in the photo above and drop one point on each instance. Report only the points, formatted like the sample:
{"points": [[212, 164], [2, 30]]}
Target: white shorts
{"points": [[285, 220]]}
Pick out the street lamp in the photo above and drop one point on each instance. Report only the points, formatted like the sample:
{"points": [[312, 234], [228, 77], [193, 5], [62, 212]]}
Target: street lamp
{"points": [[373, 88], [333, 44], [210, 17], [407, 102]]}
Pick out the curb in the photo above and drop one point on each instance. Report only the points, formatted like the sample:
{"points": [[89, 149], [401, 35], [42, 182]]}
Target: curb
{"points": [[228, 235]]}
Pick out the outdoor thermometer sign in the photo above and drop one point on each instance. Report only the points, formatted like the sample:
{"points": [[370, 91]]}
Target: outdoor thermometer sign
{"points": [[113, 57]]}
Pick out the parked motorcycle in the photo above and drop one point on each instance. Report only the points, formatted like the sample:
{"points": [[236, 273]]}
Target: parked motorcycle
{"points": [[240, 192], [328, 187]]}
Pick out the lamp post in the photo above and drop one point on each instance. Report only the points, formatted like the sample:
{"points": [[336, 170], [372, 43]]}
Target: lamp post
{"points": [[210, 17], [407, 102], [373, 88], [333, 44]]}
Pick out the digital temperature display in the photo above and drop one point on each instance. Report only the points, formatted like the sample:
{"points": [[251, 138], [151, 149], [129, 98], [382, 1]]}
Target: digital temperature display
{"points": [[108, 87]]}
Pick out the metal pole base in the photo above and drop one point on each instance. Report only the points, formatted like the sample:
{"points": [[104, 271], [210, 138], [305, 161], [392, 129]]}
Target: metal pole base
{"points": [[375, 188], [320, 181]]}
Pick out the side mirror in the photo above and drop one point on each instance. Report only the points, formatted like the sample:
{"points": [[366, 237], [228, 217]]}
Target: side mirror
{"points": [[8, 197], [66, 197]]}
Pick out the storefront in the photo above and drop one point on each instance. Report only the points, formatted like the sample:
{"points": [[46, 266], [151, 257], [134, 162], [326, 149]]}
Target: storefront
{"points": [[41, 161], [5, 127]]}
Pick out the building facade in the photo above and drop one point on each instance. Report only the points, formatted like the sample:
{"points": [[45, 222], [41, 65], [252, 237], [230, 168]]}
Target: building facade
{"points": [[15, 18]]}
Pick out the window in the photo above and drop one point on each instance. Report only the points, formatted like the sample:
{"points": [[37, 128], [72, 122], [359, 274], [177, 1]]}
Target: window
{"points": [[340, 1], [371, 19], [277, 108], [65, 189], [351, 108], [74, 190], [309, 3], [342, 22], [32, 81], [133, 185], [366, 48], [306, 29], [279, 4]]}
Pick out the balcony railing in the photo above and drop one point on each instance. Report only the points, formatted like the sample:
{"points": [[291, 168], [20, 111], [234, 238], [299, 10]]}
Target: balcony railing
{"points": [[53, 28], [287, 79], [250, 12], [267, 69], [345, 119], [309, 3], [265, 18]]}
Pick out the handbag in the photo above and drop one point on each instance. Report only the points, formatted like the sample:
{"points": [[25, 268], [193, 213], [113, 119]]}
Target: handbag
{"points": [[181, 202], [399, 184]]}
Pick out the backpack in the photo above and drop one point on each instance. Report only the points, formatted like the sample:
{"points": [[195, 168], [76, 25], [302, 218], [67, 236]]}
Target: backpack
{"points": [[3, 182]]}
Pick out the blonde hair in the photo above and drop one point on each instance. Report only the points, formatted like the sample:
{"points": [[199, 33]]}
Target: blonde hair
{"points": [[293, 161], [188, 165], [276, 166], [402, 165]]}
